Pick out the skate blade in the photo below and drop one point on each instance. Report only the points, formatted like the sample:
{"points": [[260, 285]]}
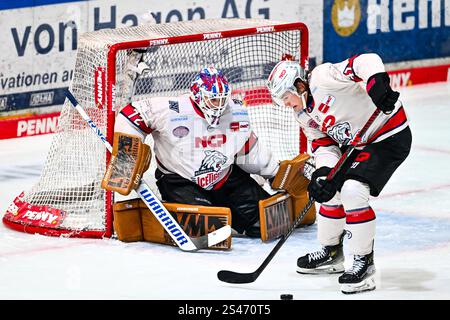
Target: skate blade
{"points": [[367, 284], [324, 270]]}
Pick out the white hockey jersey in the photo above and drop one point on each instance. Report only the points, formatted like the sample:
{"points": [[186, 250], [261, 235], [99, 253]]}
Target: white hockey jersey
{"points": [[342, 106], [186, 145]]}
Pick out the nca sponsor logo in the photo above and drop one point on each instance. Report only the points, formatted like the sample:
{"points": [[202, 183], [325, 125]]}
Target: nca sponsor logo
{"points": [[215, 35], [265, 29], [159, 42], [3, 103], [41, 98], [214, 141], [99, 87]]}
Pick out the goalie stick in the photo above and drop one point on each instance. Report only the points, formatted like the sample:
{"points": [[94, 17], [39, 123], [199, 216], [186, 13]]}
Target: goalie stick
{"points": [[169, 223], [237, 277]]}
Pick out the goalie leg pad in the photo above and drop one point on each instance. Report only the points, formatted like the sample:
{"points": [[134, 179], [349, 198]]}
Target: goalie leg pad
{"points": [[127, 220], [129, 160], [275, 216], [278, 213], [194, 219]]}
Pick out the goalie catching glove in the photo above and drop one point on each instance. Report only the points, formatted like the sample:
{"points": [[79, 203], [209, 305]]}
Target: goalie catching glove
{"points": [[129, 160], [278, 212], [290, 175]]}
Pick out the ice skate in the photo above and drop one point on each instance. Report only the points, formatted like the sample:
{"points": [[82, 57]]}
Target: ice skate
{"points": [[330, 259], [361, 277]]}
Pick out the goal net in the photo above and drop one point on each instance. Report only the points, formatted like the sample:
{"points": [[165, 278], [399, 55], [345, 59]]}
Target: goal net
{"points": [[67, 200]]}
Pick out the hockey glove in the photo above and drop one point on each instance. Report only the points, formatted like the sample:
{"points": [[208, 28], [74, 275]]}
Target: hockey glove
{"points": [[381, 93], [321, 189]]}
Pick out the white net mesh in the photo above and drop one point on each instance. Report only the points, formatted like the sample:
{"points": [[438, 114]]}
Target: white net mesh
{"points": [[246, 62], [76, 162]]}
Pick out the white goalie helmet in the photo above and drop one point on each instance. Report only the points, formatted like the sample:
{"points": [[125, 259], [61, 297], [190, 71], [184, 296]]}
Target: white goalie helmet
{"points": [[282, 79], [210, 84]]}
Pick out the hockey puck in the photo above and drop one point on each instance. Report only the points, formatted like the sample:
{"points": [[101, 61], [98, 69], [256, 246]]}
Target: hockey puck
{"points": [[286, 296]]}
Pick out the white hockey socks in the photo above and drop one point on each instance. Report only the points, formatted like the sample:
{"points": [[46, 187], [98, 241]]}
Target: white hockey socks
{"points": [[360, 217], [331, 222]]}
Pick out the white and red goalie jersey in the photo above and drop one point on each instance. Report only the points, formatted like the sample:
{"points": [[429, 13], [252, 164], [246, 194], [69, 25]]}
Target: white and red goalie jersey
{"points": [[186, 145], [341, 107]]}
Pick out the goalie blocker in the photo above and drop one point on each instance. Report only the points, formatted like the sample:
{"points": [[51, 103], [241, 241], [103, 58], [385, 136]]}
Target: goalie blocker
{"points": [[130, 158]]}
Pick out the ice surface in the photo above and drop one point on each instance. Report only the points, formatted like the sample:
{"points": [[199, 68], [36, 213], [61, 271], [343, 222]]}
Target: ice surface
{"points": [[412, 246]]}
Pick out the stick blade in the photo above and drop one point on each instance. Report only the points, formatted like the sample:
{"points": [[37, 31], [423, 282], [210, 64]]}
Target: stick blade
{"points": [[211, 239], [219, 235], [236, 277]]}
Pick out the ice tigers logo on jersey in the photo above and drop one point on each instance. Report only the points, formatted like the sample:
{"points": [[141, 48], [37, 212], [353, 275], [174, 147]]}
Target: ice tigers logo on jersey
{"points": [[341, 132], [213, 162]]}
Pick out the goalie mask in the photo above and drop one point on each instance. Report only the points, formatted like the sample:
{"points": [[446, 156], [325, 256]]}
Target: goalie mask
{"points": [[211, 92], [282, 79]]}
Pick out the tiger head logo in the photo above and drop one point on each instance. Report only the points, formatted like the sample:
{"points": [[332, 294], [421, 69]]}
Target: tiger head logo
{"points": [[213, 161], [342, 133]]}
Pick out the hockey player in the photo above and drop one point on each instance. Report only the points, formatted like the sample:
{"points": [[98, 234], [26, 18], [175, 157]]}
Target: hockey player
{"points": [[205, 149], [332, 103]]}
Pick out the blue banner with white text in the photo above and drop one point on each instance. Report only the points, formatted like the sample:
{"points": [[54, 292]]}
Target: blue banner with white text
{"points": [[398, 30]]}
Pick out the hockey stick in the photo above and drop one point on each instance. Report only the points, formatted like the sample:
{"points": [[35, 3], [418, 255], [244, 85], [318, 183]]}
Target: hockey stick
{"points": [[237, 277], [169, 223]]}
